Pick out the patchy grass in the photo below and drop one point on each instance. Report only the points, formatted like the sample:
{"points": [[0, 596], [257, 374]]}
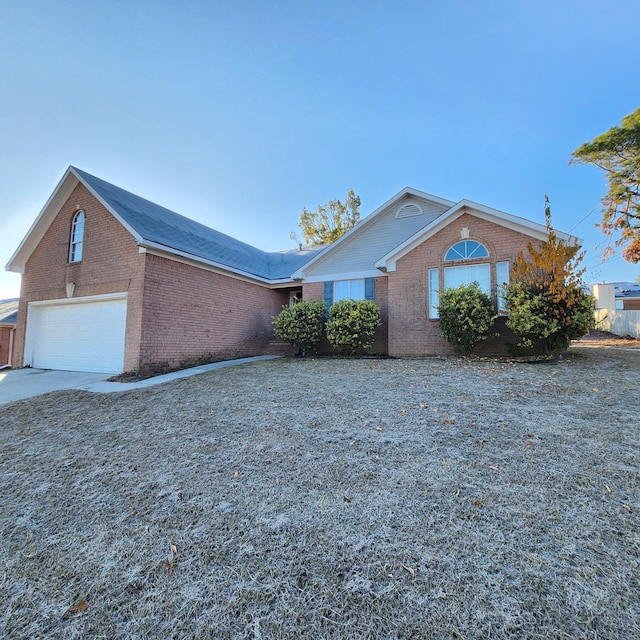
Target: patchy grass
{"points": [[329, 499]]}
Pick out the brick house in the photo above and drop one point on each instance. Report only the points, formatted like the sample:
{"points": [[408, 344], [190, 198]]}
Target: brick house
{"points": [[112, 282], [8, 320]]}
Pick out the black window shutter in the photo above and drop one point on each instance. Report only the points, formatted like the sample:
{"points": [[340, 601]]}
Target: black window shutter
{"points": [[328, 294], [369, 289]]}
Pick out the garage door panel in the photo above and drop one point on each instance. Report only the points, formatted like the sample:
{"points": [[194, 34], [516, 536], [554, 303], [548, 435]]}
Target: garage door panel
{"points": [[85, 336]]}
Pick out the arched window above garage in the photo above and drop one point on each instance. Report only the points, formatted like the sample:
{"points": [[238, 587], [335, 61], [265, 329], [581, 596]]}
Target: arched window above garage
{"points": [[77, 237]]}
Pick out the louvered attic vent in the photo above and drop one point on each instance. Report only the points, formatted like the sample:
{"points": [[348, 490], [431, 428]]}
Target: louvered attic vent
{"points": [[409, 210]]}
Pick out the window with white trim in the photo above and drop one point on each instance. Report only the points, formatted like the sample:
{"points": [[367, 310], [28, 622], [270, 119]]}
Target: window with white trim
{"points": [[457, 275], [434, 293], [348, 290], [77, 237], [468, 273]]}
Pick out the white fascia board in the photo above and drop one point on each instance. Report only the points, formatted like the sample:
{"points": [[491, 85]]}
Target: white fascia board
{"points": [[515, 223], [41, 224], [209, 265], [353, 275], [284, 283], [365, 222], [424, 195]]}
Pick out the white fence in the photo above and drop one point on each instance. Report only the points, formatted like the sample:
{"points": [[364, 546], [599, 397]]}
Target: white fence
{"points": [[622, 323]]}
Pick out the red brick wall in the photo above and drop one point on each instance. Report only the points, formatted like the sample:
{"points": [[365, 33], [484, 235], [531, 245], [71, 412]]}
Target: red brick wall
{"points": [[110, 263], [5, 341], [175, 313], [313, 291], [192, 315], [411, 332]]}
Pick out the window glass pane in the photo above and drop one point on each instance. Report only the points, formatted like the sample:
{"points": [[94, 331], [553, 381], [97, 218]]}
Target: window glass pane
{"points": [[79, 227], [480, 273], [466, 250], [348, 289], [434, 293], [77, 235], [340, 290], [502, 279], [357, 290]]}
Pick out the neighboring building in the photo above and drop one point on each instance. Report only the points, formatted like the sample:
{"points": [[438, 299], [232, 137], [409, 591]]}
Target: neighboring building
{"points": [[627, 295], [617, 308], [8, 319], [112, 282], [621, 296]]}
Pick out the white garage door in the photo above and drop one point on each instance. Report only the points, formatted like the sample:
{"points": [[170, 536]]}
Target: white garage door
{"points": [[86, 335]]}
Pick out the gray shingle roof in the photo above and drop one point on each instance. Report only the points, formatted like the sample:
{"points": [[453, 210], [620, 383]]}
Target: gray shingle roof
{"points": [[9, 311], [158, 225]]}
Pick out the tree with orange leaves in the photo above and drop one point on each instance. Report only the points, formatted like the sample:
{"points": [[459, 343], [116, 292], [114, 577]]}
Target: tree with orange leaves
{"points": [[547, 304]]}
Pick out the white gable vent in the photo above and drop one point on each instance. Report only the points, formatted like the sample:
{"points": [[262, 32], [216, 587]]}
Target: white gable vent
{"points": [[409, 210]]}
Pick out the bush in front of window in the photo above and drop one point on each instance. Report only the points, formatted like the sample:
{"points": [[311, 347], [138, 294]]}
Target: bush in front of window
{"points": [[466, 317], [352, 324], [301, 325]]}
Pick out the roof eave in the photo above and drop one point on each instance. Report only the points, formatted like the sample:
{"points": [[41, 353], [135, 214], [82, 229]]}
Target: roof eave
{"points": [[165, 251]]}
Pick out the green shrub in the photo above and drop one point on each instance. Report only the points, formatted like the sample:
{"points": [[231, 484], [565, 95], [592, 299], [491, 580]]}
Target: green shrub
{"points": [[466, 317], [301, 325], [545, 320], [547, 306], [352, 324]]}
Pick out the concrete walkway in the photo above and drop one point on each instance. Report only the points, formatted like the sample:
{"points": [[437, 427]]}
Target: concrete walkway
{"points": [[17, 384]]}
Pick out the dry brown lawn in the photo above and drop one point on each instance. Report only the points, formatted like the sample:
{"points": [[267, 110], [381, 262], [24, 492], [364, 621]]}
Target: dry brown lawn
{"points": [[329, 498]]}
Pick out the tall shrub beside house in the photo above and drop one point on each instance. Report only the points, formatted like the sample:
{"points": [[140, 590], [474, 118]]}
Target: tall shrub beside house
{"points": [[547, 305], [466, 317], [301, 325], [352, 324]]}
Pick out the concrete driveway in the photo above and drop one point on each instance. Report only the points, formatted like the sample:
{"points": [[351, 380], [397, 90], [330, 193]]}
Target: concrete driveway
{"points": [[17, 384]]}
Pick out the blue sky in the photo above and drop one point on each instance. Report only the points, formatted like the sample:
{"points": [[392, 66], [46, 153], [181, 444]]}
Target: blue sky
{"points": [[239, 114]]}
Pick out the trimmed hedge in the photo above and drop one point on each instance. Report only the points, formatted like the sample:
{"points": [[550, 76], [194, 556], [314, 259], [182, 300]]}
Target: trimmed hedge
{"points": [[352, 324], [466, 317], [301, 325]]}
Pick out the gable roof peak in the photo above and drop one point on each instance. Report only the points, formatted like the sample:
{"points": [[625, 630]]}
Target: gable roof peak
{"points": [[157, 228]]}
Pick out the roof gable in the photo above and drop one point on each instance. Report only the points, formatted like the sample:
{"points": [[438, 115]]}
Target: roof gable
{"points": [[157, 228], [515, 223], [356, 252]]}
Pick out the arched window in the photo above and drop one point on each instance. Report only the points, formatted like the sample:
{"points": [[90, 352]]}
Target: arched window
{"points": [[468, 273], [476, 271], [466, 250], [77, 237]]}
